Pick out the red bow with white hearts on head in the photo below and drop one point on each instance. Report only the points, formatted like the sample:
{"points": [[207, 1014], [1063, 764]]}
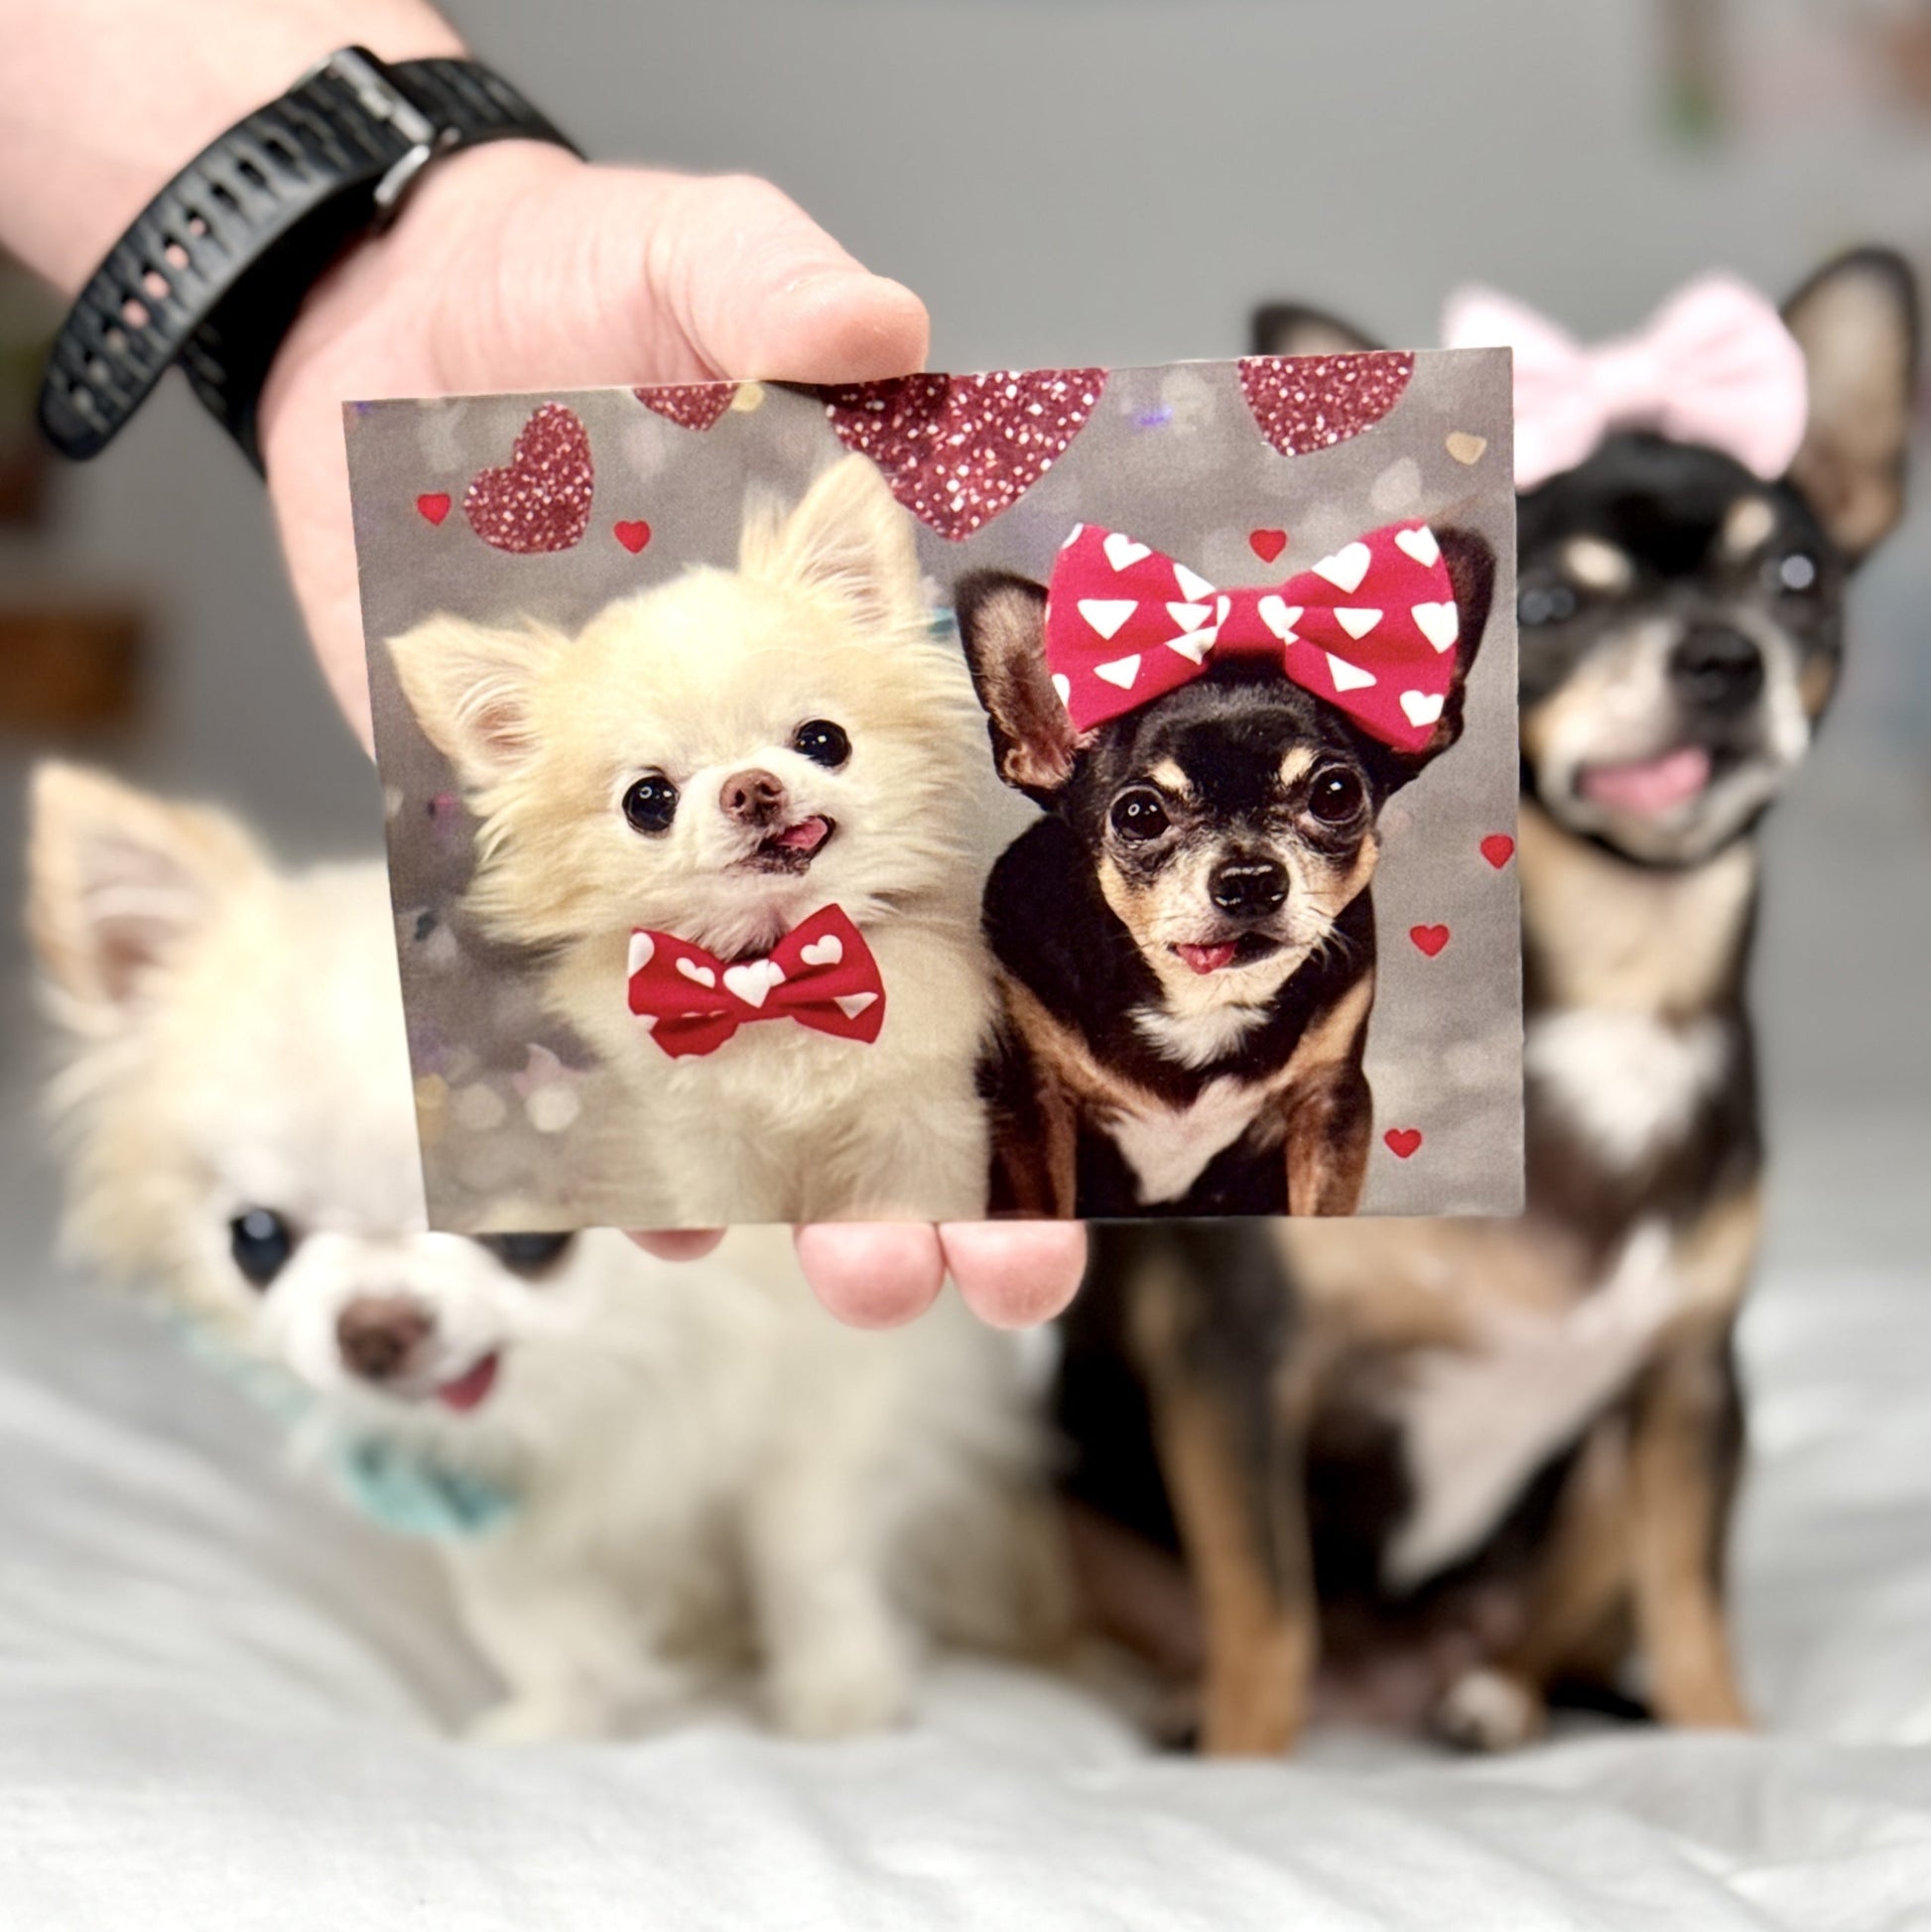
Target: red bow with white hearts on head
{"points": [[820, 974], [1371, 629]]}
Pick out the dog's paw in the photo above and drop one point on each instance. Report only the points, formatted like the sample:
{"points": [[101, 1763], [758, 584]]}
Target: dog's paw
{"points": [[1488, 1710], [840, 1689], [543, 1718]]}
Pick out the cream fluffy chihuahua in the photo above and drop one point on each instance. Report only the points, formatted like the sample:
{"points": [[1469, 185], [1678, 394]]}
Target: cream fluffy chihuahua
{"points": [[708, 766], [641, 1456]]}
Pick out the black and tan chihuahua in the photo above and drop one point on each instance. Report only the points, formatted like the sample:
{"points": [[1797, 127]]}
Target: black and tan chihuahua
{"points": [[1185, 1036], [1471, 1464]]}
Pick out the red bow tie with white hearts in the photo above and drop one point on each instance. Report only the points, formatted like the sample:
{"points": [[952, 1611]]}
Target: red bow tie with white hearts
{"points": [[1371, 629], [820, 974]]}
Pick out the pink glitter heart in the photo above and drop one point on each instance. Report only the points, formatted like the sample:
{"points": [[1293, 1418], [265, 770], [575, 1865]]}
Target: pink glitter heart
{"points": [[690, 405], [1304, 403], [540, 498], [958, 450]]}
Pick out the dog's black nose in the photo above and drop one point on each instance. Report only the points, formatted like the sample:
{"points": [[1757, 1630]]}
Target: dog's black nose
{"points": [[1717, 668], [752, 798], [1247, 888], [377, 1333]]}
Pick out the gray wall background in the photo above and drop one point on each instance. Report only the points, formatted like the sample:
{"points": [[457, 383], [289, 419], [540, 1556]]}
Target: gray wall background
{"points": [[1117, 180]]}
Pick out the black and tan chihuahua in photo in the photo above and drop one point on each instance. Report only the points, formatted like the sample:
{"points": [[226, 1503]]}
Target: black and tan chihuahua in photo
{"points": [[1185, 1036], [1466, 1465]]}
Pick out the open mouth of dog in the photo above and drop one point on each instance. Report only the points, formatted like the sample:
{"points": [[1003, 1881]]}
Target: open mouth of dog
{"points": [[1216, 955], [791, 849], [1649, 787], [472, 1388]]}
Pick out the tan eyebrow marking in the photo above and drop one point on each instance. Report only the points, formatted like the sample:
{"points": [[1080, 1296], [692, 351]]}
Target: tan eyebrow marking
{"points": [[1168, 775], [1294, 763], [1746, 525], [1597, 565]]}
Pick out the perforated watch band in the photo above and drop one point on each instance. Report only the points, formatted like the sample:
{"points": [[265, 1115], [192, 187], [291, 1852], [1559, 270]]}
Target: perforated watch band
{"points": [[212, 274]]}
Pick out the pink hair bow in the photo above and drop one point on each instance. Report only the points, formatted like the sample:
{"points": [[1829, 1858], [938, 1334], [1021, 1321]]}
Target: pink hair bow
{"points": [[1715, 366]]}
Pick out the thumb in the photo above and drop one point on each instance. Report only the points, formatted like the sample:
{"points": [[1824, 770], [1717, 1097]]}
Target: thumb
{"points": [[756, 289]]}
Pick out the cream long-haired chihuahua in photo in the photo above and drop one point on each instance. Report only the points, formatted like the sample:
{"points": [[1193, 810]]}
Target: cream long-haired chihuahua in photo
{"points": [[627, 1462], [670, 801]]}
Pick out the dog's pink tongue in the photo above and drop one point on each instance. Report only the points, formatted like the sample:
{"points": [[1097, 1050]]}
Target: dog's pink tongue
{"points": [[470, 1386], [805, 837], [1209, 959], [1651, 787]]}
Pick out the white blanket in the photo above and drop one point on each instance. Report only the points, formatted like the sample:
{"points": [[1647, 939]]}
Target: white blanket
{"points": [[223, 1704]]}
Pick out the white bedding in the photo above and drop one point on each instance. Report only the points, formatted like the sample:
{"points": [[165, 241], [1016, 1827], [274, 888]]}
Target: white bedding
{"points": [[222, 1704]]}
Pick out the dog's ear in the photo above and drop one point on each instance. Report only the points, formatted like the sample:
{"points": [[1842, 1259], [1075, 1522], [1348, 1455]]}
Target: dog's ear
{"points": [[471, 689], [1290, 329], [849, 538], [1002, 624], [118, 882], [1856, 322], [1472, 569]]}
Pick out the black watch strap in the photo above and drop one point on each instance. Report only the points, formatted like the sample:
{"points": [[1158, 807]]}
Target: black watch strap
{"points": [[212, 274]]}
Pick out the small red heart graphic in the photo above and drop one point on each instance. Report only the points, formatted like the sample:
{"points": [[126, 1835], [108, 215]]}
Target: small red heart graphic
{"points": [[1431, 939], [690, 405], [632, 536], [433, 505], [958, 450], [1268, 544], [539, 500], [1304, 403], [1498, 849], [1402, 1142]]}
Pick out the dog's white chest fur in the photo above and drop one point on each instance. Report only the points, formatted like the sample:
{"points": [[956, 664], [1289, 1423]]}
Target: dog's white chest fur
{"points": [[1627, 1080], [1168, 1148], [1478, 1422], [1197, 1039]]}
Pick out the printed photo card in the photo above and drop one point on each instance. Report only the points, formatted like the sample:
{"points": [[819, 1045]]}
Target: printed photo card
{"points": [[1049, 791]]}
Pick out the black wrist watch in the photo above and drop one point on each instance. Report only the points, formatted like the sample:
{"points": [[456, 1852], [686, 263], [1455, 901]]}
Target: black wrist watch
{"points": [[212, 274]]}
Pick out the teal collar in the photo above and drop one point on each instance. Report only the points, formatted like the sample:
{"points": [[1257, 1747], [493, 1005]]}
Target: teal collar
{"points": [[399, 1486]]}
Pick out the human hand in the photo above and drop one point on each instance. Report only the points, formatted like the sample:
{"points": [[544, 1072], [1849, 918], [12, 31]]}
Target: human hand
{"points": [[877, 1274], [519, 267]]}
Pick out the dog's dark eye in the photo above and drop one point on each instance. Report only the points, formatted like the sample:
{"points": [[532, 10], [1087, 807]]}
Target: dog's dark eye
{"points": [[1335, 796], [526, 1254], [651, 804], [1795, 572], [261, 1242], [1139, 813], [823, 743], [1545, 603]]}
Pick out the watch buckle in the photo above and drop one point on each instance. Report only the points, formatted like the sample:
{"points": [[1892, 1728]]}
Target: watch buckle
{"points": [[382, 100]]}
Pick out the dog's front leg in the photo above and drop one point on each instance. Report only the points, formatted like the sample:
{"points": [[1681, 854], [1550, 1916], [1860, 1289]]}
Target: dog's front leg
{"points": [[1231, 1451], [1035, 1142], [1686, 1443], [1330, 1119], [1685, 1438], [574, 1649], [838, 1658], [917, 1156]]}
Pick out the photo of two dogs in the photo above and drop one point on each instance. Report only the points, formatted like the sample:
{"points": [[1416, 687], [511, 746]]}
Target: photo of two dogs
{"points": [[1431, 1471], [734, 830]]}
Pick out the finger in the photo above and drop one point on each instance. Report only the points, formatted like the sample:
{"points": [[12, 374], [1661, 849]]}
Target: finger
{"points": [[876, 1275], [676, 1243], [1015, 1274], [756, 288]]}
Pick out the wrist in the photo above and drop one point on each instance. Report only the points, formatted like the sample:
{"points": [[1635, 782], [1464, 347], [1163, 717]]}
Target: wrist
{"points": [[103, 101], [343, 315]]}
